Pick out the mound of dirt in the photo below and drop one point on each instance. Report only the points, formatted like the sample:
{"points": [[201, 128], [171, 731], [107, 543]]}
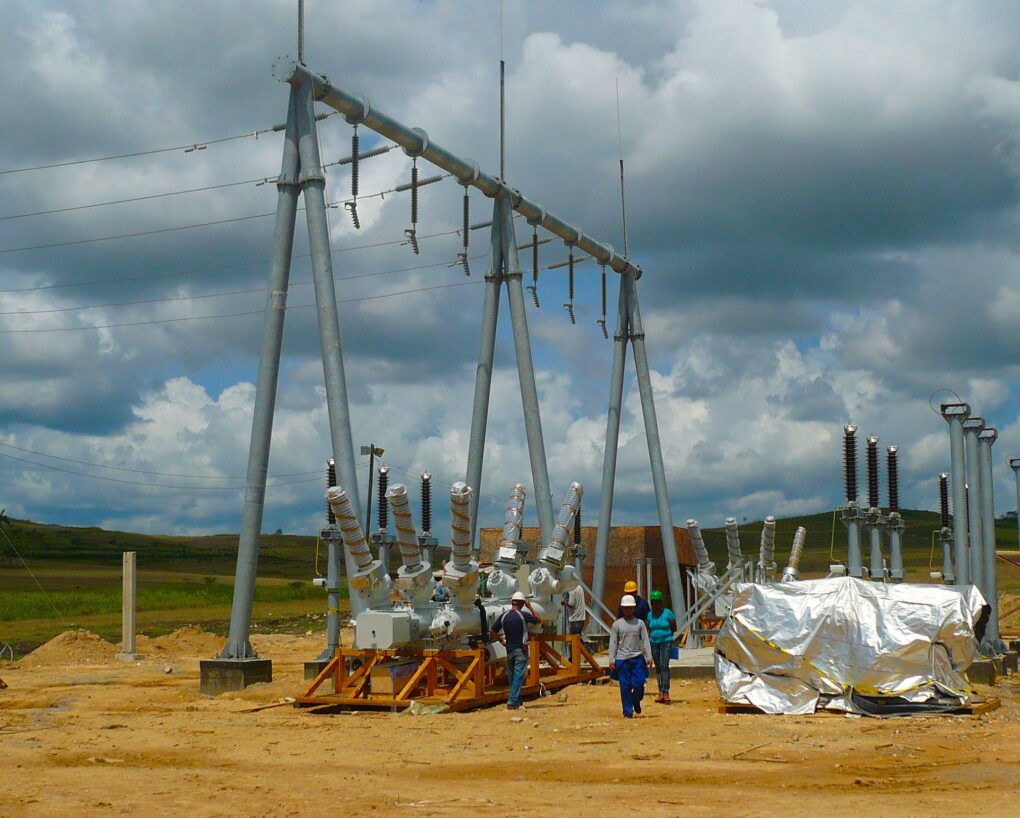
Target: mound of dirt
{"points": [[79, 647], [189, 641]]}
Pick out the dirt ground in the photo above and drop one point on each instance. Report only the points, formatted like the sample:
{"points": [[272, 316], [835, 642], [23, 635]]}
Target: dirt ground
{"points": [[82, 734]]}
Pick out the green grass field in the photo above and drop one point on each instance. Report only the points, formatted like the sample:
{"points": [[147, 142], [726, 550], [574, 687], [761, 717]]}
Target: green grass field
{"points": [[189, 580]]}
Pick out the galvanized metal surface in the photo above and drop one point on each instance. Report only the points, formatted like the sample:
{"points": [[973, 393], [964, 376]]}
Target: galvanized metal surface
{"points": [[972, 427], [954, 415], [416, 142], [992, 643], [238, 644], [903, 640]]}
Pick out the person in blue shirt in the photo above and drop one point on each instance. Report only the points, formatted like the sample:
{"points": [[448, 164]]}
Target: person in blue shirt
{"points": [[661, 630], [512, 630], [439, 591]]}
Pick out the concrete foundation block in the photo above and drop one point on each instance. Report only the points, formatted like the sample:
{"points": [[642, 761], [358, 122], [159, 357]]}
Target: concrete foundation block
{"points": [[314, 668], [225, 675], [982, 672], [129, 657], [1010, 662]]}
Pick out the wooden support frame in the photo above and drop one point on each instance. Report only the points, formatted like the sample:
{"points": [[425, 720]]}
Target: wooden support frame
{"points": [[460, 679]]}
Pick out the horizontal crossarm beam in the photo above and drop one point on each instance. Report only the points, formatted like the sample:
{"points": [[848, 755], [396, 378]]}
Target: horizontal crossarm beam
{"points": [[416, 142]]}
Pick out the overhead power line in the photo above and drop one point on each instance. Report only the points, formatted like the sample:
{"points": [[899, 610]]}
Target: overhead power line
{"points": [[187, 147], [36, 330], [94, 240], [200, 296], [50, 467], [262, 180], [145, 471]]}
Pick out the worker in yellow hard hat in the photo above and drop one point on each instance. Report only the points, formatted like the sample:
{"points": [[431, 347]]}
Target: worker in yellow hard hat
{"points": [[642, 608]]}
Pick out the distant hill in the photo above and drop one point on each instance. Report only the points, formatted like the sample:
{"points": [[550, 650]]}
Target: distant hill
{"points": [[281, 555], [290, 555]]}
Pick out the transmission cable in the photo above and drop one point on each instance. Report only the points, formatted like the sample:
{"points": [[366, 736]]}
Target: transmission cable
{"points": [[149, 485], [199, 296], [188, 148], [146, 471], [230, 314]]}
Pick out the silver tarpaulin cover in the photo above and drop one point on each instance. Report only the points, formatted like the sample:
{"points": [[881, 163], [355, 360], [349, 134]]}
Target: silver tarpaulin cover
{"points": [[840, 643]]}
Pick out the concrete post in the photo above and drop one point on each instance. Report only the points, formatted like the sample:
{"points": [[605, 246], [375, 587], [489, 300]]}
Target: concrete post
{"points": [[313, 185], [992, 644], [130, 583], [639, 575], [598, 580], [483, 374], [648, 575], [972, 427], [676, 587], [1014, 464], [526, 374], [238, 645], [955, 414]]}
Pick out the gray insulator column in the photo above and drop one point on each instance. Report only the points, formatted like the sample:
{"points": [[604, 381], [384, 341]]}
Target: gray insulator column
{"points": [[851, 511], [894, 523], [955, 414], [705, 564], [767, 549], [553, 552], [975, 543], [313, 185], [238, 645], [526, 373], [676, 586], [598, 580], [1014, 464], [792, 571], [873, 521], [945, 535], [513, 520], [733, 554], [486, 354], [992, 642], [403, 522], [460, 526], [354, 538]]}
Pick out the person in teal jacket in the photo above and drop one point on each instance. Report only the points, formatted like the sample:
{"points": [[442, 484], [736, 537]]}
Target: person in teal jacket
{"points": [[661, 630]]}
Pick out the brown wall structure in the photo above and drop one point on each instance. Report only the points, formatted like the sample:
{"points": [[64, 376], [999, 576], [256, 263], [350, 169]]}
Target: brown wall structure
{"points": [[626, 544]]}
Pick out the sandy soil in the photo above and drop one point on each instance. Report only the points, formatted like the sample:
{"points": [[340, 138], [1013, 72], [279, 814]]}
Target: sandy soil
{"points": [[84, 735]]}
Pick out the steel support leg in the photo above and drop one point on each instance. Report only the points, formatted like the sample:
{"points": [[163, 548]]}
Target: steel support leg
{"points": [[955, 415], [644, 381], [313, 185], [992, 644], [526, 375], [619, 366], [975, 541], [483, 375], [238, 645]]}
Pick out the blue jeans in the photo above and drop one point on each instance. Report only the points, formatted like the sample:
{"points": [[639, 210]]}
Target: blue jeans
{"points": [[632, 674], [516, 667], [660, 655]]}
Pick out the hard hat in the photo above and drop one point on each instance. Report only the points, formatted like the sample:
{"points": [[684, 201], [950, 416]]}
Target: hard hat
{"points": [[630, 587], [628, 602], [518, 597], [655, 596]]}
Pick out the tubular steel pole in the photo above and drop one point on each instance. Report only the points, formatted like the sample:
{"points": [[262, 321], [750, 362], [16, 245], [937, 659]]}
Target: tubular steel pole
{"points": [[238, 645], [598, 579], [955, 414], [483, 375], [526, 374], [313, 186], [975, 557], [358, 109], [992, 641], [1014, 464], [676, 591]]}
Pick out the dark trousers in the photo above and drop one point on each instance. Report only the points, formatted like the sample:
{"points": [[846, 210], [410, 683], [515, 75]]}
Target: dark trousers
{"points": [[660, 655]]}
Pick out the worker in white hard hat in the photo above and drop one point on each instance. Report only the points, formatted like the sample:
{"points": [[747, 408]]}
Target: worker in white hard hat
{"points": [[512, 630], [630, 656]]}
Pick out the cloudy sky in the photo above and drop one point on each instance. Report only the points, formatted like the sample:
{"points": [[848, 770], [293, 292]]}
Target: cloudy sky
{"points": [[823, 197]]}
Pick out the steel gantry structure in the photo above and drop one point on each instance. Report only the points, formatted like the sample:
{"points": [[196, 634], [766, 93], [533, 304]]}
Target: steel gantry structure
{"points": [[301, 173]]}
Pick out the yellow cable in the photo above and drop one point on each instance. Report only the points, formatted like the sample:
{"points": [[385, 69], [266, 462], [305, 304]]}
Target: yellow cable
{"points": [[318, 539]]}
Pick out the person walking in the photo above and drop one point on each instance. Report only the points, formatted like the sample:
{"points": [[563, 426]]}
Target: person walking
{"points": [[641, 606], [661, 629], [512, 630], [630, 656]]}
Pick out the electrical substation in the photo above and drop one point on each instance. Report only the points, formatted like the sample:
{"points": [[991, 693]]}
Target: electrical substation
{"points": [[458, 664]]}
